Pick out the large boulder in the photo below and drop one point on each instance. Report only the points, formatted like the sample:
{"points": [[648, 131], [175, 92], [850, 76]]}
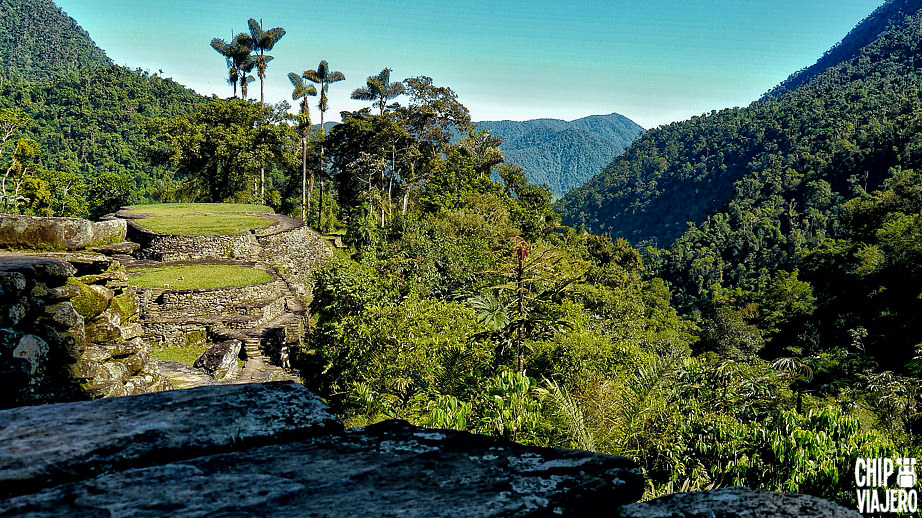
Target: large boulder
{"points": [[44, 445], [59, 233], [220, 360]]}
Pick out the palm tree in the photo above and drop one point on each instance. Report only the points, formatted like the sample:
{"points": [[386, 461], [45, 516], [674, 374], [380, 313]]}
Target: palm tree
{"points": [[483, 148], [324, 77], [379, 90], [246, 66], [263, 41], [301, 91], [237, 54]]}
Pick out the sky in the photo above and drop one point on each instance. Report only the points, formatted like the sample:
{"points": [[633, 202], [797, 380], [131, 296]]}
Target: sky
{"points": [[653, 61]]}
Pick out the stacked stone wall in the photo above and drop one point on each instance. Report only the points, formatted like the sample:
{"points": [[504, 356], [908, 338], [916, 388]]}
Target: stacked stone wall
{"points": [[69, 331], [187, 318], [163, 247], [296, 254]]}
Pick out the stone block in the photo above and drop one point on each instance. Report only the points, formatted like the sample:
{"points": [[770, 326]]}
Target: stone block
{"points": [[125, 305], [388, 469], [92, 300], [220, 360], [35, 232], [15, 313], [124, 348], [45, 445], [34, 350], [135, 363], [63, 314], [736, 502], [68, 291], [108, 232], [13, 283], [114, 371], [85, 368], [131, 331], [96, 354]]}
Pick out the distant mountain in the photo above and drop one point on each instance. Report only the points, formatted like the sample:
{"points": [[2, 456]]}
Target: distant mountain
{"points": [[564, 154], [38, 40]]}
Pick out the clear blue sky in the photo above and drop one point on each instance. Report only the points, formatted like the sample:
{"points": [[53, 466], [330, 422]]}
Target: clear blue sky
{"points": [[654, 61]]}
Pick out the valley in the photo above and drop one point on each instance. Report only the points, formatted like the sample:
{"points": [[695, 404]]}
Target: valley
{"points": [[729, 300]]}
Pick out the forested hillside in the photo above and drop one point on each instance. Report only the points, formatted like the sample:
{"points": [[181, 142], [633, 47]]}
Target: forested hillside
{"points": [[38, 41], [846, 122], [90, 128], [84, 140], [563, 154], [796, 215]]}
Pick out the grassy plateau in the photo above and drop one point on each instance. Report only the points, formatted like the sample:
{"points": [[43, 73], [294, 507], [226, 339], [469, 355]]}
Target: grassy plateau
{"points": [[198, 277], [202, 219]]}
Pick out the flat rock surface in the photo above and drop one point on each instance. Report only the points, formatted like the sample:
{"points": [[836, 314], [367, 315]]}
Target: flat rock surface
{"points": [[388, 469], [736, 502], [45, 445]]}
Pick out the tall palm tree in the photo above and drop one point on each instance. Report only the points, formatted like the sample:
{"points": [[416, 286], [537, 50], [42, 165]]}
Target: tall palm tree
{"points": [[379, 90], [324, 77], [263, 41], [301, 91]]}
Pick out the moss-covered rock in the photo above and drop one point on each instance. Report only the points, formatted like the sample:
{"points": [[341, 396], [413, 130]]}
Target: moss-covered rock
{"points": [[102, 331], [125, 306], [92, 300]]}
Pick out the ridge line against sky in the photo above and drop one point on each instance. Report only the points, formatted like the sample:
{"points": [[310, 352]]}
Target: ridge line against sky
{"points": [[654, 61]]}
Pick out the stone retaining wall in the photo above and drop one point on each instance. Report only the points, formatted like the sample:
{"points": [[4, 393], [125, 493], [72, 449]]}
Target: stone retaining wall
{"points": [[186, 318], [295, 254], [163, 247], [69, 331]]}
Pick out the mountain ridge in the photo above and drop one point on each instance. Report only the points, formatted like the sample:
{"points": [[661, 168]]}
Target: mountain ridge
{"points": [[563, 154], [680, 173]]}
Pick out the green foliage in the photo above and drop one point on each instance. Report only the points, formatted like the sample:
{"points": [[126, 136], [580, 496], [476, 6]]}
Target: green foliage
{"points": [[88, 124], [218, 150]]}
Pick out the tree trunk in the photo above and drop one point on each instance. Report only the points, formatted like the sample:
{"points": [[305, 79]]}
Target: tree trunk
{"points": [[320, 200], [520, 288], [305, 197]]}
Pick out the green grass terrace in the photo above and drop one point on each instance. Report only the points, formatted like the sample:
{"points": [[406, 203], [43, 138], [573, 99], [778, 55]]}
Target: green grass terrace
{"points": [[201, 219], [197, 277]]}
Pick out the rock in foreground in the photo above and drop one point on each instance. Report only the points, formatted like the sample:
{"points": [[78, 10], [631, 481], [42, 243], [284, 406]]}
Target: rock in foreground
{"points": [[183, 460], [275, 450]]}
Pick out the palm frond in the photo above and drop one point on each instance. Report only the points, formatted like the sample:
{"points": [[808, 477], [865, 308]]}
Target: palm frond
{"points": [[364, 94], [296, 80], [220, 46], [572, 416]]}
